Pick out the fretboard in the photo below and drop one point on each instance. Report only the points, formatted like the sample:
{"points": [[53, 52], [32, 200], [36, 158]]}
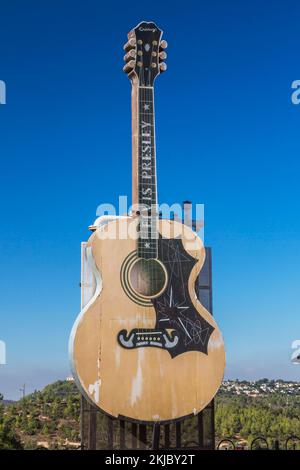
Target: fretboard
{"points": [[146, 175]]}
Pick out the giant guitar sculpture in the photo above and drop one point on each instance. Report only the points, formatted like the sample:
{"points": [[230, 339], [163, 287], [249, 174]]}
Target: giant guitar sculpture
{"points": [[144, 348]]}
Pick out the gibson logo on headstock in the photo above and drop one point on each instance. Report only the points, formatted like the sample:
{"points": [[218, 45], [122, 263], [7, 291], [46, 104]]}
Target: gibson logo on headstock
{"points": [[145, 54], [147, 29]]}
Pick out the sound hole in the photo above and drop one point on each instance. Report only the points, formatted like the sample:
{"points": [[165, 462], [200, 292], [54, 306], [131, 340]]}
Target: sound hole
{"points": [[148, 277]]}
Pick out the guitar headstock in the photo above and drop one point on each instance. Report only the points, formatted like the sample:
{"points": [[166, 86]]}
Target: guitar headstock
{"points": [[145, 53]]}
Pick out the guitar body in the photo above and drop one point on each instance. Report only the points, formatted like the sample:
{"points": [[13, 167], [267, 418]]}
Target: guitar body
{"points": [[151, 360]]}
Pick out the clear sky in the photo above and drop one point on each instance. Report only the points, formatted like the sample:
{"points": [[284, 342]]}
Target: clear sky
{"points": [[227, 136]]}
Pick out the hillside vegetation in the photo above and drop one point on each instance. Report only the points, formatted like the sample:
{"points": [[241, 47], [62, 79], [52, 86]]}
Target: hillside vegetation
{"points": [[49, 419], [44, 419]]}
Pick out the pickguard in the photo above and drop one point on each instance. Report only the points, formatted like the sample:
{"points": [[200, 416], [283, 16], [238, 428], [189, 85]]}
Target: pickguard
{"points": [[174, 308], [179, 326]]}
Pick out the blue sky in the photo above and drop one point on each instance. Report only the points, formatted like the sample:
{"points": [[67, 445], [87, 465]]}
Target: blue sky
{"points": [[227, 136]]}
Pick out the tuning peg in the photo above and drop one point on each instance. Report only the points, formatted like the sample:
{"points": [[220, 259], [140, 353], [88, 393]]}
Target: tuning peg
{"points": [[129, 44], [130, 55], [129, 66], [163, 67], [163, 44], [162, 55]]}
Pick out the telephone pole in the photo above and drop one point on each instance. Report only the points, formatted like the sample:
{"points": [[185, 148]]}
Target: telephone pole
{"points": [[23, 390]]}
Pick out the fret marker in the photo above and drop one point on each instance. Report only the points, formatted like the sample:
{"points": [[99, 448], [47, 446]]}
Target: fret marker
{"points": [[147, 245], [146, 107]]}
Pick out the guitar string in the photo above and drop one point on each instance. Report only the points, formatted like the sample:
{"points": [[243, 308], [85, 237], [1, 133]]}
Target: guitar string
{"points": [[153, 179], [153, 216], [141, 316], [154, 222], [142, 95], [142, 252], [146, 97]]}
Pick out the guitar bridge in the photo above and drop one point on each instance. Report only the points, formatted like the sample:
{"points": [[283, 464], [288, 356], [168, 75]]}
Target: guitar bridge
{"points": [[158, 338]]}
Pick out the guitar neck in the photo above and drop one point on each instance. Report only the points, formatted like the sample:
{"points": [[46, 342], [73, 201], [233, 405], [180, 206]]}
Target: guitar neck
{"points": [[144, 185], [144, 190]]}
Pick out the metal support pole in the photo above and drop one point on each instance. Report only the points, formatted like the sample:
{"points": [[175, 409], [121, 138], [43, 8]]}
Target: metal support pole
{"points": [[134, 430], [122, 434], [212, 425], [92, 428], [178, 435], [110, 432], [82, 418], [200, 430], [142, 436], [155, 436], [167, 436]]}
